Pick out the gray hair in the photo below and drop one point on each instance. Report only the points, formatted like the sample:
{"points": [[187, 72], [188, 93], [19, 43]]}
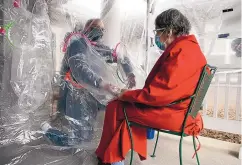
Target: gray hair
{"points": [[91, 22], [174, 20]]}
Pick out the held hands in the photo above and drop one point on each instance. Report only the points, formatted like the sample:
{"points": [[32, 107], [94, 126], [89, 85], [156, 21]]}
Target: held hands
{"points": [[131, 81], [115, 91], [122, 92], [119, 95]]}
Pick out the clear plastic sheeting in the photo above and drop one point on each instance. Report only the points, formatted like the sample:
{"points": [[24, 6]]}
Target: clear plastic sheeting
{"points": [[90, 68], [60, 73], [207, 19], [126, 58], [28, 72], [30, 41]]}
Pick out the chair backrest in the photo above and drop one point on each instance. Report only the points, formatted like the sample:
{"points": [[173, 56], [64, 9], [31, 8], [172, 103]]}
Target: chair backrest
{"points": [[201, 89]]}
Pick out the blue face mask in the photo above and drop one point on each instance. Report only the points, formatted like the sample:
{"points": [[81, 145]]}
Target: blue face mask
{"points": [[159, 44]]}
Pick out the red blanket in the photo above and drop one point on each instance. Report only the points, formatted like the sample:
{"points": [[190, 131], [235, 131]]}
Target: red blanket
{"points": [[174, 76]]}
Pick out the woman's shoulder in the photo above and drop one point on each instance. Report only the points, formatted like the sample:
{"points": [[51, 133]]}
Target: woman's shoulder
{"points": [[188, 46]]}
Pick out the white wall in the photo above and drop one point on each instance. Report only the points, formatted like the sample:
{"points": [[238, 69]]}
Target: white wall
{"points": [[223, 57]]}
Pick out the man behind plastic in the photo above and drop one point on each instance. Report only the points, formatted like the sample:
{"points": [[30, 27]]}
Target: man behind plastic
{"points": [[76, 102]]}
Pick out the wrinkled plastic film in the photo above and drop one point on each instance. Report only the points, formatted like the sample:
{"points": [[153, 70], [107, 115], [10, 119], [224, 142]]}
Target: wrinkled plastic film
{"points": [[206, 22], [46, 112], [27, 72], [127, 59], [31, 73], [90, 68]]}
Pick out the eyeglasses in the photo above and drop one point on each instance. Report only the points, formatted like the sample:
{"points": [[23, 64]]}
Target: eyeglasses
{"points": [[156, 30]]}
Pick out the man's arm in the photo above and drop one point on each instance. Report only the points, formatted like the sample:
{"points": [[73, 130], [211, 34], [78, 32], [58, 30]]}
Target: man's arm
{"points": [[105, 52], [127, 66], [77, 59], [108, 54]]}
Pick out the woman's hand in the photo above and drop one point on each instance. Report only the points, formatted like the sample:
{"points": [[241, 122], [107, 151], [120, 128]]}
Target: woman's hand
{"points": [[123, 90], [115, 91], [121, 93]]}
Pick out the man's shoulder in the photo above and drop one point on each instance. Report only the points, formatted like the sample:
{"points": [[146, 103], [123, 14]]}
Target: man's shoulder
{"points": [[78, 40]]}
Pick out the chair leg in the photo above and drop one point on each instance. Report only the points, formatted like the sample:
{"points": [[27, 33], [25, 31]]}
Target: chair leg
{"points": [[130, 136], [180, 150], [132, 156], [132, 145], [195, 148], [157, 138]]}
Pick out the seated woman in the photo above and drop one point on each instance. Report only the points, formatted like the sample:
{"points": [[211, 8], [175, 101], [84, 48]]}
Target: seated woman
{"points": [[174, 76]]}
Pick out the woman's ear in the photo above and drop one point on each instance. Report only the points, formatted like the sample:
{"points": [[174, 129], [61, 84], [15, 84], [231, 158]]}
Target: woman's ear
{"points": [[169, 33]]}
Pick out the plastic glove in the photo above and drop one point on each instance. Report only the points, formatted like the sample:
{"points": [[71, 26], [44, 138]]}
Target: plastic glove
{"points": [[131, 81], [115, 91]]}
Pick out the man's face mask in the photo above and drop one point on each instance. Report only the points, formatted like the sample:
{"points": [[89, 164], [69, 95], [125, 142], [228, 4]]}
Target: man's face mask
{"points": [[159, 44], [95, 34]]}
